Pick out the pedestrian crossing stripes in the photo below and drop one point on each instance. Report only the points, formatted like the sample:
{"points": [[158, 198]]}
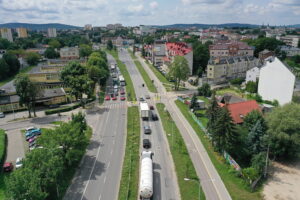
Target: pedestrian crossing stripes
{"points": [[115, 105]]}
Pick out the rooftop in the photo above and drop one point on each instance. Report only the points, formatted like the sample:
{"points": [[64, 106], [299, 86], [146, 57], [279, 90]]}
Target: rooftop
{"points": [[178, 48], [226, 44]]}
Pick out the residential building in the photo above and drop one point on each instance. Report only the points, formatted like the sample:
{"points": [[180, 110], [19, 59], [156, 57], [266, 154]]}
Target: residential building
{"points": [[6, 34], [230, 48], [114, 26], [88, 27], [52, 96], [252, 74], [179, 49], [145, 30], [222, 69], [290, 40], [158, 53], [52, 32], [276, 82], [290, 51], [69, 53], [265, 54], [239, 110], [22, 32]]}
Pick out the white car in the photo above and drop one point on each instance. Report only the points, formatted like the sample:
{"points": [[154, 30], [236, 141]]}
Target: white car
{"points": [[19, 163], [30, 128], [2, 115]]}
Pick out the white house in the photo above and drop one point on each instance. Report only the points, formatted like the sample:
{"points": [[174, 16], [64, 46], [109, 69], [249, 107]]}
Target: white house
{"points": [[252, 74], [276, 82]]}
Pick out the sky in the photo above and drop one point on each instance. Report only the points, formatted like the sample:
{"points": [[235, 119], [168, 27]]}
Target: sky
{"points": [[150, 12]]}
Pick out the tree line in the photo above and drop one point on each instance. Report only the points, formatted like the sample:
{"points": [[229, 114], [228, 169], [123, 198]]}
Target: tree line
{"points": [[48, 169]]}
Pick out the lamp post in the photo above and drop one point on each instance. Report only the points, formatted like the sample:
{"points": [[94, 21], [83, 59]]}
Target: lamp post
{"points": [[12, 107], [195, 180]]}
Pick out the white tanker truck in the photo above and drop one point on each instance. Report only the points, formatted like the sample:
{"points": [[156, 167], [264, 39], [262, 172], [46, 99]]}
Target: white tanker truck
{"points": [[146, 177]]}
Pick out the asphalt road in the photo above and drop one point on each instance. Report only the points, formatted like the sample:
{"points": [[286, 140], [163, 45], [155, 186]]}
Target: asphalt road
{"points": [[99, 174], [164, 177], [211, 182]]}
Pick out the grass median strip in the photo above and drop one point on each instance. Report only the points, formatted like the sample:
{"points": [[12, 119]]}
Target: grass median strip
{"points": [[2, 157], [185, 171], [129, 85], [130, 172], [236, 186]]}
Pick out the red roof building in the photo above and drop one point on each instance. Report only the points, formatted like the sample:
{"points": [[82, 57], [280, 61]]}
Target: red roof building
{"points": [[239, 110]]}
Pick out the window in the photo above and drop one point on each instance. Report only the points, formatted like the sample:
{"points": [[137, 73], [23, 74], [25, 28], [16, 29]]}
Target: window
{"points": [[210, 68]]}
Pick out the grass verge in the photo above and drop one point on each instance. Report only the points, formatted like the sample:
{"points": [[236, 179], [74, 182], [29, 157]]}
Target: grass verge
{"points": [[22, 71], [130, 172], [101, 97], [236, 186], [183, 165], [129, 85], [2, 157]]}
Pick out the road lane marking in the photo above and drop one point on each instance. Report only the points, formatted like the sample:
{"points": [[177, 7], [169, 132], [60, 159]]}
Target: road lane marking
{"points": [[104, 180]]}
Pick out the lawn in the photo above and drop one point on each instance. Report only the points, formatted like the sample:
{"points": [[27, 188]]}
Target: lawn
{"points": [[2, 156], [236, 186], [129, 85], [231, 91], [130, 172], [22, 71], [183, 164]]}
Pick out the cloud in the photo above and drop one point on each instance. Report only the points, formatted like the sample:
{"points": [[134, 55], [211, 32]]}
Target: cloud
{"points": [[136, 8], [153, 4], [189, 2]]}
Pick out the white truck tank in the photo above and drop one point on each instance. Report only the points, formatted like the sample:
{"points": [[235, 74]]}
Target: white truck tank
{"points": [[145, 111], [146, 177]]}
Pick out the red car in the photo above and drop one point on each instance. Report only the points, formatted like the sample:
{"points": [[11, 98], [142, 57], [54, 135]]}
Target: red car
{"points": [[114, 98], [107, 98], [122, 98], [8, 167], [122, 92]]}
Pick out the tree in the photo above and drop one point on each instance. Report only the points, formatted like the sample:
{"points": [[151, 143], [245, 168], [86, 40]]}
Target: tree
{"points": [[54, 43], [212, 114], [4, 69], [179, 70], [252, 118], [25, 89], [204, 90], [258, 162], [32, 58], [51, 53], [193, 102], [200, 57], [13, 63], [109, 45], [85, 50], [251, 86], [284, 130], [143, 52], [5, 44]]}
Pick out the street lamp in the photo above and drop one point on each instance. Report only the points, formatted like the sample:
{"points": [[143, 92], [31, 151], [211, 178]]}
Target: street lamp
{"points": [[12, 107], [195, 180]]}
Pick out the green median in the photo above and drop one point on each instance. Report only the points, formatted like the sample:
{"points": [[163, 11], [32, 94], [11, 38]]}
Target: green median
{"points": [[130, 171], [129, 85], [186, 175], [2, 157], [236, 186]]}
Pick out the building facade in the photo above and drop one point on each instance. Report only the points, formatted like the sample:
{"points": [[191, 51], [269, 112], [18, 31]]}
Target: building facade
{"points": [[220, 70], [22, 32], [230, 48], [290, 40], [52, 32], [252, 74], [290, 51], [69, 53], [7, 34], [276, 82]]}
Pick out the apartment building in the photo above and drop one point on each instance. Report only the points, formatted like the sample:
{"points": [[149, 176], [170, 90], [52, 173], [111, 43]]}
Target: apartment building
{"points": [[69, 53], [290, 51], [158, 53], [88, 27], [230, 48], [22, 32], [290, 40], [6, 34], [52, 32], [222, 69], [114, 26]]}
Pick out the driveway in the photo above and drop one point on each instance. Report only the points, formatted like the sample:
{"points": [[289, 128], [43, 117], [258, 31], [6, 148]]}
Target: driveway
{"points": [[15, 145]]}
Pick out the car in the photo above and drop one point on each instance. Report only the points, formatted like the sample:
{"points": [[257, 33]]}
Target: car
{"points": [[8, 167], [146, 143], [114, 98], [30, 128], [147, 129], [122, 98], [141, 98], [19, 163], [32, 144], [147, 96], [31, 140], [151, 107], [2, 115], [154, 116], [122, 91], [32, 133], [107, 98]]}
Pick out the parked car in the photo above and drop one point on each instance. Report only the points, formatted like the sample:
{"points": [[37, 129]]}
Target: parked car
{"points": [[32, 144], [2, 115], [147, 96], [31, 140], [107, 98], [122, 91], [146, 143], [32, 133], [19, 163], [147, 129], [141, 98], [122, 98], [114, 98], [30, 128], [8, 167]]}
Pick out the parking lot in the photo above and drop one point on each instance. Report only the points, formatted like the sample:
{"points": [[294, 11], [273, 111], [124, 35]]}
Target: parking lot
{"points": [[15, 145]]}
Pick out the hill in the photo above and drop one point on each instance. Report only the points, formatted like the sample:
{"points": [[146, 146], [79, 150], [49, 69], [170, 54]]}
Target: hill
{"points": [[38, 26], [229, 25]]}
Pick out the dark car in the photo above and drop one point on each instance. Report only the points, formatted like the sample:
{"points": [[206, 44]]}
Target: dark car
{"points": [[147, 130], [8, 167], [154, 116], [151, 107], [146, 143]]}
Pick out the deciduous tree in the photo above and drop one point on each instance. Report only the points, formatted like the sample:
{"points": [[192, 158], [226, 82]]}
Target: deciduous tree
{"points": [[179, 70]]}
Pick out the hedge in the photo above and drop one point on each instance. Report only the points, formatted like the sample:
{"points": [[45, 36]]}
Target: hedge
{"points": [[2, 146]]}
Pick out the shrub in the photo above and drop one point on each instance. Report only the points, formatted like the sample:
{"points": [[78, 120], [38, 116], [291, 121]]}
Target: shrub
{"points": [[2, 146], [237, 81]]}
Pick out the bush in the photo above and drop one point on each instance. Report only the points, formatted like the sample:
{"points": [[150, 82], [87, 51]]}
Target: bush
{"points": [[237, 81], [64, 109], [2, 146]]}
